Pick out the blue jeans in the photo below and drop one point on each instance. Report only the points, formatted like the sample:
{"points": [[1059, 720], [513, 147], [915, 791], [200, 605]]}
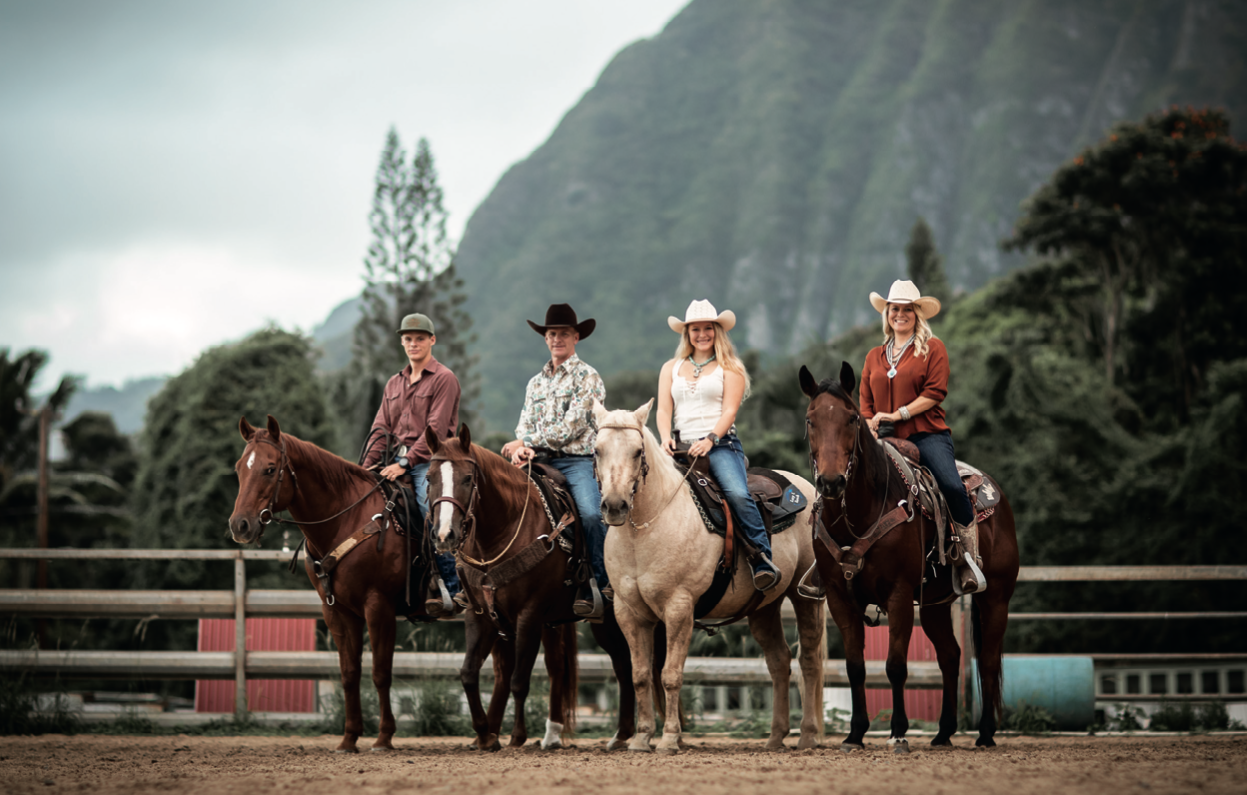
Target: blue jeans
{"points": [[727, 464], [938, 456], [445, 561], [584, 488]]}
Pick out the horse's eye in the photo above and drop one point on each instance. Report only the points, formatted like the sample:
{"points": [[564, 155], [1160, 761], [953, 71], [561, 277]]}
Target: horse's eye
{"points": [[270, 470], [637, 454]]}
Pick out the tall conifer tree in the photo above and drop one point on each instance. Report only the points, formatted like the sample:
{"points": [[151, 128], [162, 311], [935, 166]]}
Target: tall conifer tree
{"points": [[925, 265]]}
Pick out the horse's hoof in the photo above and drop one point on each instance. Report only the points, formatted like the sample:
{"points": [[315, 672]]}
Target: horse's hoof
{"points": [[669, 750], [777, 745], [985, 742], [557, 745], [640, 749], [380, 748], [616, 743], [849, 747], [899, 745], [346, 750], [806, 743], [941, 742]]}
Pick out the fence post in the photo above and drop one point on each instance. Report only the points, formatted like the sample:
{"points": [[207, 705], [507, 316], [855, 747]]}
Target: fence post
{"points": [[240, 636]]}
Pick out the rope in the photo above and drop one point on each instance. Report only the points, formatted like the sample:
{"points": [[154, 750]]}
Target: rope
{"points": [[518, 526]]}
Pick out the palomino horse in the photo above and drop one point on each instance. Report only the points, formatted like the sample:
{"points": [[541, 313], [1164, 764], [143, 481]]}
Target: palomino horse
{"points": [[858, 485], [516, 573], [666, 560], [331, 500]]}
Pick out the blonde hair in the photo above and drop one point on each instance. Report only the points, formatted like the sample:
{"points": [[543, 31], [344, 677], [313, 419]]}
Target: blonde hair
{"points": [[724, 352], [922, 334]]}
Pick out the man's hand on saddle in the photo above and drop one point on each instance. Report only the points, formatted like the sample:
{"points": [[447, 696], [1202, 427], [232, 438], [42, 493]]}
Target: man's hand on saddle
{"points": [[668, 447], [393, 472]]}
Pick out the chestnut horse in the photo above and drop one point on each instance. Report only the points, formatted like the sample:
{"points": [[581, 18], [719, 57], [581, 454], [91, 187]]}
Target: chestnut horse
{"points": [[491, 515], [330, 499], [858, 484]]}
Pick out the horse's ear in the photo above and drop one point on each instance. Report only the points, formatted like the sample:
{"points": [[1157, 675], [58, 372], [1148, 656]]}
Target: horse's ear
{"points": [[847, 379], [642, 414], [808, 385], [465, 438], [599, 411], [274, 430], [430, 438], [246, 429]]}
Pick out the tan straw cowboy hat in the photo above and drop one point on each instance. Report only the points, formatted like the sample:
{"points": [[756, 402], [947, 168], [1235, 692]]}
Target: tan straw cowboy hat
{"points": [[904, 291], [702, 310]]}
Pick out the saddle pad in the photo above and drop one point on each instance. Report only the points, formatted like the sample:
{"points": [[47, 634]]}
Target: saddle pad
{"points": [[981, 489]]}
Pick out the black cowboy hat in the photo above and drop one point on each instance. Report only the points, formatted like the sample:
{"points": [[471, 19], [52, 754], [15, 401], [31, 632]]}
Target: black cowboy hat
{"points": [[563, 316]]}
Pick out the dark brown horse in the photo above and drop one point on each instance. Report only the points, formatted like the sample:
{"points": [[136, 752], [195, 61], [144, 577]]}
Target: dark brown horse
{"points": [[367, 585], [516, 573], [859, 486]]}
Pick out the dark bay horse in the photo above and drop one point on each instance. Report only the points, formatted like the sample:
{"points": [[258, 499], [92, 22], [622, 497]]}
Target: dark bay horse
{"points": [[280, 472], [491, 515], [858, 485]]}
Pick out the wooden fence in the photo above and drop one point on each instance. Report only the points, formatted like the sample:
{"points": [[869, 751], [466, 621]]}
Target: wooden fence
{"points": [[241, 603]]}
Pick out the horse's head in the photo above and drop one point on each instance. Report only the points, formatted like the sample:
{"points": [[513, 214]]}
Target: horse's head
{"points": [[265, 481], [452, 487], [619, 457], [832, 425]]}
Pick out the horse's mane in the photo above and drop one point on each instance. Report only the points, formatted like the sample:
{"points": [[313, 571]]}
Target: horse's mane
{"points": [[874, 461], [337, 473], [508, 480]]}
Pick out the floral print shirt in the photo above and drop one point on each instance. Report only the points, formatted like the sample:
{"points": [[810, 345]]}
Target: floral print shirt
{"points": [[558, 408]]}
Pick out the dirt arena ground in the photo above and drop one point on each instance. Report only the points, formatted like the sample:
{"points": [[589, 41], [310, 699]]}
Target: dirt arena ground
{"points": [[237, 765]]}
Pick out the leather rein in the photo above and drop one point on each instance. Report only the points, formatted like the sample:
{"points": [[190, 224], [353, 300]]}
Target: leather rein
{"points": [[469, 512], [637, 484]]}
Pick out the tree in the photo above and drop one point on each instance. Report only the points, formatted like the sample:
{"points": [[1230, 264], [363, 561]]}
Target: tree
{"points": [[19, 426], [926, 267], [409, 268], [1152, 217]]}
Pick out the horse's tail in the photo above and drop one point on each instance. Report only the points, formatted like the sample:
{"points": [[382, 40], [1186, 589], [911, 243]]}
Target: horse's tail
{"points": [[570, 674], [998, 702]]}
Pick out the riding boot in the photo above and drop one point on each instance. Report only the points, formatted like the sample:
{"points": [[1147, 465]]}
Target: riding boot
{"points": [[588, 604], [967, 563], [765, 575], [439, 604], [811, 585]]}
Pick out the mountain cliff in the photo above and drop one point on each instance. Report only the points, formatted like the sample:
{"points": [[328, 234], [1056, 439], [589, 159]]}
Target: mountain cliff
{"points": [[772, 157]]}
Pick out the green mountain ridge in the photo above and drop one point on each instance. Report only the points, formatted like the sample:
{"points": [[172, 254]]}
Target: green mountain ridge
{"points": [[772, 157]]}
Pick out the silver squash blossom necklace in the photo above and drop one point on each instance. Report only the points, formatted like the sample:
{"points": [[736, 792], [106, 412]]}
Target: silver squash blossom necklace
{"points": [[895, 360], [697, 367]]}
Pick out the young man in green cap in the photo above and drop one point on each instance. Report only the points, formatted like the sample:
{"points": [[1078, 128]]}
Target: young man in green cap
{"points": [[425, 394]]}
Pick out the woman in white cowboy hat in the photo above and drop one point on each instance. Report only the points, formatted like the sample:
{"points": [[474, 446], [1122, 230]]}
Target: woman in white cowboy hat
{"points": [[904, 382], [699, 393]]}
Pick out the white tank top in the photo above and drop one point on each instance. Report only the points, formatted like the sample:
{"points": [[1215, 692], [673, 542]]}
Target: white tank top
{"points": [[698, 404]]}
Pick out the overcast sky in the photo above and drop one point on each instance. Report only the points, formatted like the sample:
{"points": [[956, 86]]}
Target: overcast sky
{"points": [[177, 174]]}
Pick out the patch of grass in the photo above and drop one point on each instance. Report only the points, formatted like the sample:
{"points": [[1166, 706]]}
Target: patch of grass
{"points": [[439, 711], [1128, 719], [18, 715], [1188, 717], [1028, 719]]}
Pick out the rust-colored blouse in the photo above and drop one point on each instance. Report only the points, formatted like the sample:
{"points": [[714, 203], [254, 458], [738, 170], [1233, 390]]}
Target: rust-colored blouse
{"points": [[915, 376]]}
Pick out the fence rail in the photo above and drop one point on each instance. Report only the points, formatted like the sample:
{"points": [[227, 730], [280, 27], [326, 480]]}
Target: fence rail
{"points": [[241, 603]]}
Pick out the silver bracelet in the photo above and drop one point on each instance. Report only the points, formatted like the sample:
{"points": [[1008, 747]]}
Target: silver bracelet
{"points": [[905, 415]]}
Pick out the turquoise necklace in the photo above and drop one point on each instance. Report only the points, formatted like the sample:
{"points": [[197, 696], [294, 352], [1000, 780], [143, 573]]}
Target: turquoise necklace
{"points": [[697, 367]]}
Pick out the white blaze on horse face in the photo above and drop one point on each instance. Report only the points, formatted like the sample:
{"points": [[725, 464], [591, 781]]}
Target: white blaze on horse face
{"points": [[447, 510], [251, 460]]}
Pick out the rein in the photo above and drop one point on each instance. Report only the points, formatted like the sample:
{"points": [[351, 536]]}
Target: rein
{"points": [[469, 514], [636, 485], [272, 509]]}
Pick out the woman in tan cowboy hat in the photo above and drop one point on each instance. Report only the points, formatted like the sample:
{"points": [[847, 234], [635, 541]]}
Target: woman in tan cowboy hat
{"points": [[904, 383], [699, 393]]}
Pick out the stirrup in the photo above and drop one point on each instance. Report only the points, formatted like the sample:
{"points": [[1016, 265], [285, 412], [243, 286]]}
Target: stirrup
{"points": [[593, 608], [766, 578], [980, 581], [811, 585]]}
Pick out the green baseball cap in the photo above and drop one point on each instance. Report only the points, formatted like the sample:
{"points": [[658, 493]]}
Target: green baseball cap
{"points": [[417, 322]]}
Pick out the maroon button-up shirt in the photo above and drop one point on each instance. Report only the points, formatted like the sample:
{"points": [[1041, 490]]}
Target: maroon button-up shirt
{"points": [[407, 409]]}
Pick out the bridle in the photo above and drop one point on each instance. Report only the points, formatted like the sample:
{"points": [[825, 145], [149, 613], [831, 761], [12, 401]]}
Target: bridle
{"points": [[271, 509], [468, 524], [638, 483], [848, 474]]}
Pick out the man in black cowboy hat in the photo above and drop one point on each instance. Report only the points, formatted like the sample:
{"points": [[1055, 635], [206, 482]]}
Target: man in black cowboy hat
{"points": [[557, 423]]}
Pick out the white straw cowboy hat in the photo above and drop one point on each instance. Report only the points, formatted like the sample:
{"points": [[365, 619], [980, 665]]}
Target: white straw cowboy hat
{"points": [[702, 310], [904, 291]]}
